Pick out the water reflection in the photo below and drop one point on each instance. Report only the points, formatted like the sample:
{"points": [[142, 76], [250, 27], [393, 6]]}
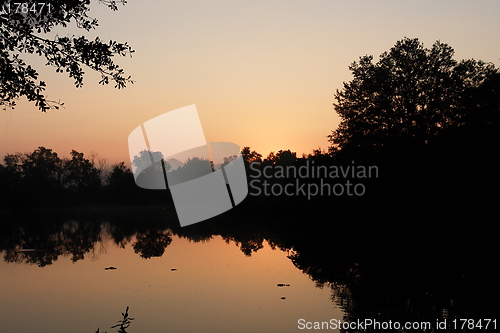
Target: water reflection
{"points": [[191, 281], [34, 243], [368, 274]]}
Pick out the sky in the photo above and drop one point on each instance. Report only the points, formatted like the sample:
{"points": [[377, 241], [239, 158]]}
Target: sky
{"points": [[261, 73]]}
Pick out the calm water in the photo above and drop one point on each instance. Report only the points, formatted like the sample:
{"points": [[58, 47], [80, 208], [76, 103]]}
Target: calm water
{"points": [[204, 286], [254, 276]]}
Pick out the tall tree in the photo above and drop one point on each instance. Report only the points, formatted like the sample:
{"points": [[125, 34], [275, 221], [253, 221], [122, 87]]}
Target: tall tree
{"points": [[412, 94], [23, 29]]}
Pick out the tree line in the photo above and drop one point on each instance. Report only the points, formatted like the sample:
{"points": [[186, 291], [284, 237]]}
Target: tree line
{"points": [[43, 178]]}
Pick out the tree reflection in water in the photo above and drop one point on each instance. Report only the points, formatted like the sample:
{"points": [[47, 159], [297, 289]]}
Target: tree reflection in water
{"points": [[152, 243]]}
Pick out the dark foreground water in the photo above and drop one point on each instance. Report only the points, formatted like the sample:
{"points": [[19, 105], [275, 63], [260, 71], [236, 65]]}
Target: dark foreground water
{"points": [[77, 275]]}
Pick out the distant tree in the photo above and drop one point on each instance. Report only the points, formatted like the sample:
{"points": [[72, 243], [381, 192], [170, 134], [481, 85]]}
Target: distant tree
{"points": [[228, 159], [20, 29], [282, 157], [146, 159], [173, 163], [270, 159], [100, 163], [316, 154], [193, 168], [120, 178], [42, 166], [148, 168], [412, 94], [13, 163], [250, 156], [32, 178], [80, 173]]}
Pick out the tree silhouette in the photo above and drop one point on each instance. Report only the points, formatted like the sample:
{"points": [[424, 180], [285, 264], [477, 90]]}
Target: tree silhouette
{"points": [[41, 173], [250, 156], [120, 180], [411, 95], [282, 157], [146, 159], [81, 172], [152, 243], [193, 168], [20, 30]]}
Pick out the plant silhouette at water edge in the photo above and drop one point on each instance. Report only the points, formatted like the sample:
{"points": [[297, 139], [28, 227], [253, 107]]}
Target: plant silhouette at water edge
{"points": [[122, 324]]}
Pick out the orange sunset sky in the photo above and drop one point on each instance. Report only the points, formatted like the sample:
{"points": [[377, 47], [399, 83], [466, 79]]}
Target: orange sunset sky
{"points": [[261, 73]]}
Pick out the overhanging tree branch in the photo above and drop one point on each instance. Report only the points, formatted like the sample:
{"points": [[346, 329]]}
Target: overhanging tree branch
{"points": [[66, 54]]}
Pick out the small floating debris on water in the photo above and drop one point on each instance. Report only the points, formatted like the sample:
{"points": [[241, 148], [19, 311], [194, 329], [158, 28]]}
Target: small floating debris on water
{"points": [[110, 267], [283, 298], [173, 269], [283, 285]]}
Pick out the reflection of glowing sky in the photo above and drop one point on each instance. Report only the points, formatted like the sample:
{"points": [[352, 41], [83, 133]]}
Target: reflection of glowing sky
{"points": [[261, 73], [215, 289]]}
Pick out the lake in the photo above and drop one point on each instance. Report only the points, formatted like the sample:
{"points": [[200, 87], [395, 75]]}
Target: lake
{"points": [[78, 275], [194, 286]]}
